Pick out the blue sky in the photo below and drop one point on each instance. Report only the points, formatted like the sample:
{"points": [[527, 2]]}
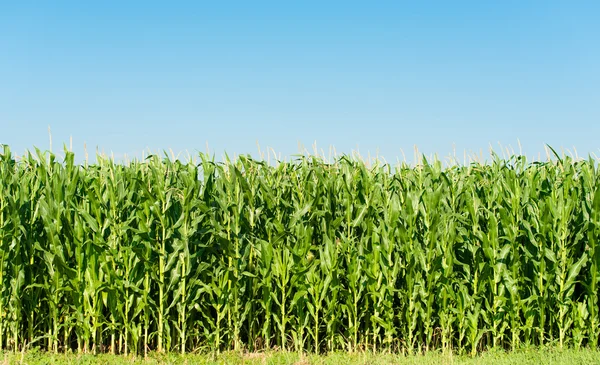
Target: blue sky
{"points": [[126, 76]]}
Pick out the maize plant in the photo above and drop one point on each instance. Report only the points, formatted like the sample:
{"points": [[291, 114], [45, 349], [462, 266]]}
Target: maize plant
{"points": [[308, 255]]}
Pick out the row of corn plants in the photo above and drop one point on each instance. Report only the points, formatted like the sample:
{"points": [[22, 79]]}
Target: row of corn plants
{"points": [[308, 255]]}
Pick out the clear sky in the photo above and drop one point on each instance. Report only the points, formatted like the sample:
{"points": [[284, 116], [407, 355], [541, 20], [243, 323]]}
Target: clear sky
{"points": [[375, 75]]}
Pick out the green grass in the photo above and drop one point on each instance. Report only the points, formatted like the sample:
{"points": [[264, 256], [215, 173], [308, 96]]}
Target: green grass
{"points": [[539, 356]]}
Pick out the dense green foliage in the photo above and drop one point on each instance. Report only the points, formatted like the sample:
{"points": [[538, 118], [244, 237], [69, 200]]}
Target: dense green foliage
{"points": [[306, 256]]}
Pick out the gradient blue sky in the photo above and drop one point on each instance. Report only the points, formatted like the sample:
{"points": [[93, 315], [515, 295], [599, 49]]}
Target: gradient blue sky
{"points": [[131, 75]]}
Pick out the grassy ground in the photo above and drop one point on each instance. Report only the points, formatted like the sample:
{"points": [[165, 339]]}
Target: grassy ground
{"points": [[523, 357]]}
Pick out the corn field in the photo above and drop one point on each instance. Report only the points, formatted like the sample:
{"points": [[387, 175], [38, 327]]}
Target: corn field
{"points": [[309, 256]]}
